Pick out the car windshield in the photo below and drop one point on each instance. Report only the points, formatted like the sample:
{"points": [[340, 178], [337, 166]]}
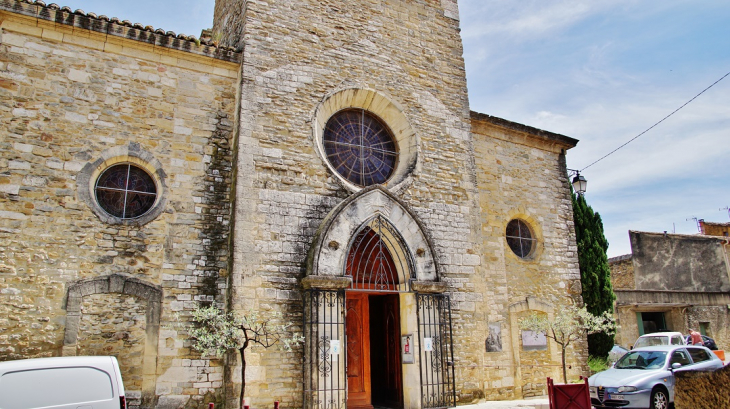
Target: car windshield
{"points": [[642, 360], [651, 341]]}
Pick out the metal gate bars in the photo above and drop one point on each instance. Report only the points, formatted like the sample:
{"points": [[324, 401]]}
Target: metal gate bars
{"points": [[436, 351], [324, 365], [325, 380]]}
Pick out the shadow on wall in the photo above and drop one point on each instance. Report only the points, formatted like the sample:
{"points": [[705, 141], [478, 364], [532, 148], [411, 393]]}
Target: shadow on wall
{"points": [[702, 390]]}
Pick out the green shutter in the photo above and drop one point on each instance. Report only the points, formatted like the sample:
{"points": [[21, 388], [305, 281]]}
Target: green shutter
{"points": [[640, 323]]}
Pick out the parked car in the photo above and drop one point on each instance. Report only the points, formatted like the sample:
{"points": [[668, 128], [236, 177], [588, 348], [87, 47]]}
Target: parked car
{"points": [[616, 353], [709, 342], [644, 377], [659, 338], [62, 383]]}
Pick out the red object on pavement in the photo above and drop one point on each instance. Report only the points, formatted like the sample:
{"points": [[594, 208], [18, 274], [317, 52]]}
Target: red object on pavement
{"points": [[276, 404], [569, 395], [211, 405]]}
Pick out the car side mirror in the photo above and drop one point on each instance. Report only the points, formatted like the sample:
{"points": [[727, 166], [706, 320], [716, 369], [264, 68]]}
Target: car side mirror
{"points": [[676, 365]]}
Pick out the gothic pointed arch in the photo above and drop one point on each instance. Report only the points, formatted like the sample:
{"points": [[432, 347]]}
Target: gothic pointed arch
{"points": [[373, 216]]}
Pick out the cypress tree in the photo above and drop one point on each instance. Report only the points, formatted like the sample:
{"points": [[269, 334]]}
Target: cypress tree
{"points": [[595, 275]]}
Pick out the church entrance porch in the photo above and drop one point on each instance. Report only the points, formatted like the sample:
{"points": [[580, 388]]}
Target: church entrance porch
{"points": [[355, 354], [372, 288]]}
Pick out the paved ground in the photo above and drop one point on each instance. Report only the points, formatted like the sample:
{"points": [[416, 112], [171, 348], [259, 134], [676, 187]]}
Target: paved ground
{"points": [[535, 403]]}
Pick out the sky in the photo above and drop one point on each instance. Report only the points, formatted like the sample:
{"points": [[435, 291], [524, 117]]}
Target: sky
{"points": [[600, 71]]}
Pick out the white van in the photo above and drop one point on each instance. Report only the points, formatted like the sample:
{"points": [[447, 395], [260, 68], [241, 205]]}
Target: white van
{"points": [[83, 382], [659, 338]]}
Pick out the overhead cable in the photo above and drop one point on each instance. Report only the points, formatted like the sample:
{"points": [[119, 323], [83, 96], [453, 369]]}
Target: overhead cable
{"points": [[651, 127]]}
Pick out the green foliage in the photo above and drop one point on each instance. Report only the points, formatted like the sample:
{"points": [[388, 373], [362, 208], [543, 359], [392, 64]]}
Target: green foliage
{"points": [[214, 332], [569, 324], [595, 274], [597, 364]]}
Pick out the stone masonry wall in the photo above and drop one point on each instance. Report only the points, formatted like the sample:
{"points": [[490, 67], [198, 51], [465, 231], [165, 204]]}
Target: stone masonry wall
{"points": [[701, 390], [622, 273], [67, 98], [229, 20], [714, 229], [718, 320], [296, 54], [696, 262], [115, 324], [522, 175]]}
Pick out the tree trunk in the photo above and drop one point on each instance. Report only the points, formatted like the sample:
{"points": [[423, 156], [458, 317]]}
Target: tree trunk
{"points": [[243, 374], [565, 378]]}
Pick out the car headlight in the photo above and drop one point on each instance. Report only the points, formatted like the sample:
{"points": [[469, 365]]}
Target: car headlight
{"points": [[623, 389]]}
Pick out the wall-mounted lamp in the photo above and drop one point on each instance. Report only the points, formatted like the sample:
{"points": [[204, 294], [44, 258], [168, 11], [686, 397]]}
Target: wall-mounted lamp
{"points": [[579, 183]]}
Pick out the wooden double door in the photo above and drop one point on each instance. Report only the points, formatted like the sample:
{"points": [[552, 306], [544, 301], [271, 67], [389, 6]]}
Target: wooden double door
{"points": [[374, 373]]}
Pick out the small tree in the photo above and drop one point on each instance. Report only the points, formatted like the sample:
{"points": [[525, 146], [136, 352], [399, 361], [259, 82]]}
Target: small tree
{"points": [[215, 332], [570, 324]]}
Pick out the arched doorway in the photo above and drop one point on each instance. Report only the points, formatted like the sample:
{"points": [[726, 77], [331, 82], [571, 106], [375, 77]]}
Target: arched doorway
{"points": [[377, 323], [372, 315]]}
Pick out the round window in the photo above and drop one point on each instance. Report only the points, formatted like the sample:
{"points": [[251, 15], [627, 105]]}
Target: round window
{"points": [[125, 191], [520, 238], [360, 147]]}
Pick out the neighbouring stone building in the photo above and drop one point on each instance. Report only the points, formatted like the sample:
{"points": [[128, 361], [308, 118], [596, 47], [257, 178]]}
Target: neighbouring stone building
{"points": [[673, 282], [713, 228], [318, 160]]}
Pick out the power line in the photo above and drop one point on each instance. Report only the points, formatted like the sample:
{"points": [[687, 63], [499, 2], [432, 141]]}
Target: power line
{"points": [[651, 127]]}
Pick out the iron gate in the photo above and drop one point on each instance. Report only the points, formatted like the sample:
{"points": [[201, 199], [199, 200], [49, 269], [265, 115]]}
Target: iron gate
{"points": [[436, 351], [324, 372]]}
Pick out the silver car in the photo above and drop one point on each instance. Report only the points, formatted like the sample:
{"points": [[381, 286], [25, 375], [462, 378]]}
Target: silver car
{"points": [[644, 377]]}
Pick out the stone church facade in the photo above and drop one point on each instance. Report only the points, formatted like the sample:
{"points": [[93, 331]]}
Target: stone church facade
{"points": [[317, 160]]}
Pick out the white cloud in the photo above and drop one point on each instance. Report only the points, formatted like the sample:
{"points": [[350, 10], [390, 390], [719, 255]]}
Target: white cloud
{"points": [[603, 72]]}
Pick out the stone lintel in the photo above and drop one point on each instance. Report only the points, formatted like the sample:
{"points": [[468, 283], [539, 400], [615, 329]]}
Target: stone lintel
{"points": [[326, 282], [428, 286]]}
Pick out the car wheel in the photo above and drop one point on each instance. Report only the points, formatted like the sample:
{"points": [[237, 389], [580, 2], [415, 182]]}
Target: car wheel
{"points": [[659, 399]]}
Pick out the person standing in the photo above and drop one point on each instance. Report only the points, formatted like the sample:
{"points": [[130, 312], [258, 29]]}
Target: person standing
{"points": [[695, 337]]}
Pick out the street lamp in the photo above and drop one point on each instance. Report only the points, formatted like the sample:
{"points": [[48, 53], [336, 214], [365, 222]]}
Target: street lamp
{"points": [[579, 182]]}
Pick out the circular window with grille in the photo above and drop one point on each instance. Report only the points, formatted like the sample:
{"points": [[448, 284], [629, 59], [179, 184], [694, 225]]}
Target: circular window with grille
{"points": [[125, 185], [125, 191], [520, 238], [360, 147], [364, 138]]}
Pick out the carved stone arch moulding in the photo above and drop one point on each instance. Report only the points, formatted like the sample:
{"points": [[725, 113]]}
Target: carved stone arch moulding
{"points": [[327, 256], [118, 284], [390, 112]]}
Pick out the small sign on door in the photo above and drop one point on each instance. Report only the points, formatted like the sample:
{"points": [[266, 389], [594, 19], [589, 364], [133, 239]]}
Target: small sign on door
{"points": [[407, 348], [428, 344], [334, 349]]}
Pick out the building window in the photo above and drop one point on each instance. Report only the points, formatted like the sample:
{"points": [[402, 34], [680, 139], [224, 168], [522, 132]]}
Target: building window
{"points": [[360, 147], [520, 238], [125, 191]]}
